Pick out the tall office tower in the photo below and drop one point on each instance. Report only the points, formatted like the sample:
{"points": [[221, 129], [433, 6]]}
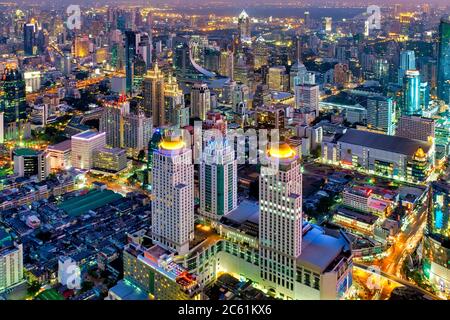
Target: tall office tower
{"points": [[242, 71], [307, 97], [218, 180], [13, 102], [381, 70], [280, 219], [153, 94], [118, 56], [327, 24], [173, 100], [130, 55], [211, 59], [144, 49], [81, 46], [200, 100], [173, 188], [307, 19], [411, 93], [297, 75], [244, 27], [261, 53], [83, 146], [417, 128], [443, 90], [29, 31], [226, 64], [137, 132], [436, 240], [67, 64], [277, 79], [380, 114], [11, 261], [30, 162], [139, 71], [112, 122], [407, 62]]}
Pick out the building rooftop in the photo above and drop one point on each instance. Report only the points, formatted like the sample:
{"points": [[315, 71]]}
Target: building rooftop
{"points": [[126, 291], [245, 211], [25, 152], [319, 250], [384, 142], [87, 135], [62, 146], [94, 199], [356, 215]]}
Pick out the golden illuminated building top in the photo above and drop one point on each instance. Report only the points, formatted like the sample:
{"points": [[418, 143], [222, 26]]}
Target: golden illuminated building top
{"points": [[282, 151], [171, 143]]}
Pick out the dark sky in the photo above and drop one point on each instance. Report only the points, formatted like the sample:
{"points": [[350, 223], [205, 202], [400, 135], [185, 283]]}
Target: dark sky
{"points": [[241, 3]]}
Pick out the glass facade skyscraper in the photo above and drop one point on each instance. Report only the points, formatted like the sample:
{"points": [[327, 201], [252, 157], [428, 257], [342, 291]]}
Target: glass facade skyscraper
{"points": [[407, 62], [411, 93], [443, 82], [130, 53]]}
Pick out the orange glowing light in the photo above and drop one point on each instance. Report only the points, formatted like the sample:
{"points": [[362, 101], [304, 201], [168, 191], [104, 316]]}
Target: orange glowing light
{"points": [[172, 143], [283, 151]]}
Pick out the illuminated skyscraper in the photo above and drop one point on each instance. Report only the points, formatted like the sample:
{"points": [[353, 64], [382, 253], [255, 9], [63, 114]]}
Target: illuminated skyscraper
{"points": [[112, 122], [280, 220], [380, 114], [200, 100], [244, 27], [407, 62], [277, 78], [173, 102], [29, 32], [327, 24], [130, 54], [13, 102], [173, 188], [411, 93], [153, 93], [436, 241], [218, 180], [443, 84], [261, 53]]}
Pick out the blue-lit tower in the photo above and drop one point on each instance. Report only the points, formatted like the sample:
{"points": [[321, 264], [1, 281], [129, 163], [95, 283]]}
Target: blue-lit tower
{"points": [[443, 83], [411, 93]]}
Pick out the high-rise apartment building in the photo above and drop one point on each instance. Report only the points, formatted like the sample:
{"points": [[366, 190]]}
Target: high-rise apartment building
{"points": [[380, 111], [218, 179]]}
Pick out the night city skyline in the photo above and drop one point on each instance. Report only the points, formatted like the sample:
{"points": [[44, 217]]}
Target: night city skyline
{"points": [[224, 151]]}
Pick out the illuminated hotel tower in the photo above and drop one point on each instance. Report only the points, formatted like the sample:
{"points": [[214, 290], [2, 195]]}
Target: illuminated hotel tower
{"points": [[218, 180], [280, 221], [173, 189]]}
